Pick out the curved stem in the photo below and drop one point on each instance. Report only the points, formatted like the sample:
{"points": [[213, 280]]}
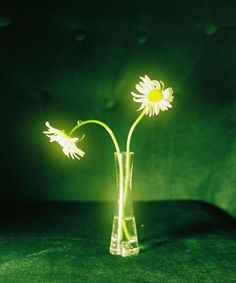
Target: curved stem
{"points": [[120, 216], [80, 124], [128, 150], [132, 129]]}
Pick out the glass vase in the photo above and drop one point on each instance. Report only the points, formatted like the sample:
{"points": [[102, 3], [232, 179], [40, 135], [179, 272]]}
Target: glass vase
{"points": [[124, 240]]}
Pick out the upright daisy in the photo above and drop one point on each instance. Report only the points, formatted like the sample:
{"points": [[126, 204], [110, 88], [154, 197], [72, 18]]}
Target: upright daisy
{"points": [[153, 96], [67, 143]]}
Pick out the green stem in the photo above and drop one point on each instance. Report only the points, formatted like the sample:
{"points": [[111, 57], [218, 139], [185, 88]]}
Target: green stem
{"points": [[128, 150], [127, 177], [132, 129], [80, 124]]}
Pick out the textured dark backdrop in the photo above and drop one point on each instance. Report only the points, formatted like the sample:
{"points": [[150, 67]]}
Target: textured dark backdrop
{"points": [[67, 60]]}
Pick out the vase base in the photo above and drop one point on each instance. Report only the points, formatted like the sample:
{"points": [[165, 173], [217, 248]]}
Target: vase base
{"points": [[126, 249], [125, 244]]}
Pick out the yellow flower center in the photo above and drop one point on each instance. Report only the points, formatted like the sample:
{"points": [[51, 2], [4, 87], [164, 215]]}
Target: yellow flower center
{"points": [[155, 95]]}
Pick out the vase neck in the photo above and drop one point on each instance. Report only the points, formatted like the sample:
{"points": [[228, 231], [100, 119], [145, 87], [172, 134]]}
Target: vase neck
{"points": [[124, 154]]}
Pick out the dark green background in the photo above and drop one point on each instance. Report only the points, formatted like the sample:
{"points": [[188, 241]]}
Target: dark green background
{"points": [[67, 60]]}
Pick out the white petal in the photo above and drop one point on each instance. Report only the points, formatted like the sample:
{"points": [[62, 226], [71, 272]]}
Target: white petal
{"points": [[142, 106], [76, 156], [167, 93], [168, 104], [140, 89], [143, 99], [47, 124], [157, 109], [138, 95], [74, 139], [162, 105], [149, 110], [146, 78], [80, 152], [156, 84], [145, 86], [147, 81]]}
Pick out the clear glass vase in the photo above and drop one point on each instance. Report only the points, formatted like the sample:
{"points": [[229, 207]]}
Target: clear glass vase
{"points": [[124, 240]]}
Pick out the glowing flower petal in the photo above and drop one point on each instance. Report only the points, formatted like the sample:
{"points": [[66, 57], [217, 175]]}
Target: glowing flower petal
{"points": [[153, 97], [167, 93], [141, 90], [67, 143]]}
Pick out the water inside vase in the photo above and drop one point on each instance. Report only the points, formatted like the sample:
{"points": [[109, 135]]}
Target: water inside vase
{"points": [[128, 244]]}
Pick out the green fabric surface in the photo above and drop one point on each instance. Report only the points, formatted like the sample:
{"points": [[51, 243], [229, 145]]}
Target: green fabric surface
{"points": [[181, 241]]}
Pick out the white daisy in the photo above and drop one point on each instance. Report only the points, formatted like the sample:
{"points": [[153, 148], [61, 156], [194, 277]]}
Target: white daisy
{"points": [[153, 96], [67, 143]]}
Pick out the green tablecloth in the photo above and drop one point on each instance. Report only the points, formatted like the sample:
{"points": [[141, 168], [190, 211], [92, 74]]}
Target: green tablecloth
{"points": [[181, 241]]}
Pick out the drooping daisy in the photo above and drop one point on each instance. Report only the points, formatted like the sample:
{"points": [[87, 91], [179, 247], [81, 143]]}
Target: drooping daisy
{"points": [[67, 143], [153, 96]]}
